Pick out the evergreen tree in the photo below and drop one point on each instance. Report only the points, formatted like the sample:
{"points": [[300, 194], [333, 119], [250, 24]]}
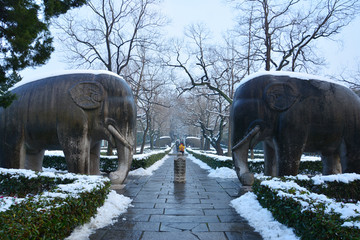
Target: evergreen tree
{"points": [[25, 37]]}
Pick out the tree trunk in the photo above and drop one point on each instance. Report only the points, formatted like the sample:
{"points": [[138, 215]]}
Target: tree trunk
{"points": [[207, 144], [219, 150], [151, 141]]}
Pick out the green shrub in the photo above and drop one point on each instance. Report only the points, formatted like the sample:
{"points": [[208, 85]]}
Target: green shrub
{"points": [[148, 161], [311, 219], [107, 164], [20, 186], [212, 162], [43, 217], [340, 191], [255, 166], [57, 162]]}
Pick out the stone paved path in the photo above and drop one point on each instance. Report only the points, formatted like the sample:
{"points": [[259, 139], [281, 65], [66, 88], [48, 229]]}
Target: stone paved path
{"points": [[198, 209]]}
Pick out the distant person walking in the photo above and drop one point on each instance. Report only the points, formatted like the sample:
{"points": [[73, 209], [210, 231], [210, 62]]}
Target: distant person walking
{"points": [[182, 148]]}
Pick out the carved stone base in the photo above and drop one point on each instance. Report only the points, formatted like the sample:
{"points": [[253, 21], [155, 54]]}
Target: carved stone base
{"points": [[117, 186], [245, 189], [180, 170]]}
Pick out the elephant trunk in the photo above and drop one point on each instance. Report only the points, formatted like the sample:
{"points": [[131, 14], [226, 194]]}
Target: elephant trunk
{"points": [[125, 155], [240, 157]]}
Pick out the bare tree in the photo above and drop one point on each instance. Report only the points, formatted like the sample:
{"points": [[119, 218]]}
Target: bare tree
{"points": [[149, 93], [215, 69], [199, 72], [109, 32], [207, 113], [283, 33]]}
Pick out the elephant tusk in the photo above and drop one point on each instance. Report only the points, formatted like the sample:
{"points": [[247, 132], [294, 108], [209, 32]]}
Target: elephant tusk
{"points": [[119, 136], [251, 134]]}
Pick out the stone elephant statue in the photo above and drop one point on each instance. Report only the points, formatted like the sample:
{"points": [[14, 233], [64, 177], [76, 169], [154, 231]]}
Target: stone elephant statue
{"points": [[73, 113], [292, 115]]}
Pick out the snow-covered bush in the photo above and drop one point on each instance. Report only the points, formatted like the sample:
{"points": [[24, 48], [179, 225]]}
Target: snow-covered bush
{"points": [[212, 160], [148, 159], [108, 163], [308, 165], [313, 215], [45, 205]]}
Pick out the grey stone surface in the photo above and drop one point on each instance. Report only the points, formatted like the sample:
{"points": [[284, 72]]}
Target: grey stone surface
{"points": [[196, 209]]}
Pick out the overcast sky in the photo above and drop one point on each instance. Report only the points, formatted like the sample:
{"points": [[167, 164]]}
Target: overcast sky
{"points": [[218, 17]]}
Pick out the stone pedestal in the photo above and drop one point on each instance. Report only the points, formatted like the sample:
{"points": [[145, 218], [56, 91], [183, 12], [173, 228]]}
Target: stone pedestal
{"points": [[180, 169]]}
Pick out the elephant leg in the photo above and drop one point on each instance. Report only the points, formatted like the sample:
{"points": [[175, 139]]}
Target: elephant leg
{"points": [[34, 159], [95, 159], [331, 163], [77, 154], [270, 165], [288, 155], [14, 153], [351, 162]]}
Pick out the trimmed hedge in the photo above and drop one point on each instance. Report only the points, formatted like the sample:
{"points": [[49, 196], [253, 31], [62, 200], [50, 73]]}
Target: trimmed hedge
{"points": [[148, 161], [340, 191], [212, 162], [54, 212], [10, 185], [321, 207], [41, 211], [107, 164], [255, 166], [312, 216]]}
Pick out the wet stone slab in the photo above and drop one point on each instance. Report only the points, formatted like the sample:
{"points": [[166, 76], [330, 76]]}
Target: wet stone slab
{"points": [[196, 209]]}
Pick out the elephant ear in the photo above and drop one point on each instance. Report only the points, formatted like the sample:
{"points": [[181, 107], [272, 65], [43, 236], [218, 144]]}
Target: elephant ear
{"points": [[87, 95], [280, 96]]}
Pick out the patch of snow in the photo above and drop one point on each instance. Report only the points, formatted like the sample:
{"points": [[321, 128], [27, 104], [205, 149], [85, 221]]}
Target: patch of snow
{"points": [[305, 158], [199, 162], [302, 76], [56, 153], [114, 206], [197, 138], [344, 178], [145, 155], [261, 219], [34, 78], [7, 202], [164, 137], [310, 200], [216, 157], [149, 171], [222, 172]]}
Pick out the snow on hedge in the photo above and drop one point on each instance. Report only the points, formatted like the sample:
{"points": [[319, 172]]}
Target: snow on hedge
{"points": [[261, 219], [310, 200], [114, 205], [149, 171], [82, 183], [304, 158]]}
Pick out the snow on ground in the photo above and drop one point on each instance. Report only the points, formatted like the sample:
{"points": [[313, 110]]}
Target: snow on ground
{"points": [[258, 217], [55, 153], [114, 205], [249, 208], [222, 172], [261, 219], [149, 171]]}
